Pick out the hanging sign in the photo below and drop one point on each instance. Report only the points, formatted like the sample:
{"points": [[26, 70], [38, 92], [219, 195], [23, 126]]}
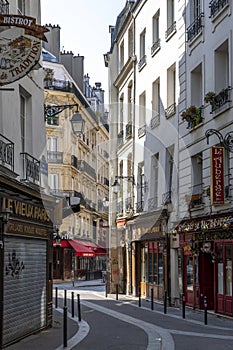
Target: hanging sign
{"points": [[20, 46], [217, 175]]}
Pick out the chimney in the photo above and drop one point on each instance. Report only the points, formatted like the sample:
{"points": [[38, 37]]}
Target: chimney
{"points": [[53, 37]]}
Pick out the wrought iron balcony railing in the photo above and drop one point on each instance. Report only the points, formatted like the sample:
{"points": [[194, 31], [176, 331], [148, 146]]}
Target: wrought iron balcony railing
{"points": [[170, 30], [216, 6], [220, 99], [142, 62], [55, 157], [106, 181], [155, 121], [4, 7], [30, 168], [155, 47], [128, 203], [139, 206], [74, 161], [195, 28], [6, 152], [142, 131], [85, 167], [120, 138], [153, 203], [167, 198], [128, 130], [170, 111]]}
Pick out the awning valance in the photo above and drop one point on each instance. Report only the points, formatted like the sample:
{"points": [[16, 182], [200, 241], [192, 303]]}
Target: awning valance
{"points": [[81, 249]]}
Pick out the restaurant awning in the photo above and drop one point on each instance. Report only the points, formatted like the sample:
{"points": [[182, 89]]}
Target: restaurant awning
{"points": [[98, 250], [81, 249]]}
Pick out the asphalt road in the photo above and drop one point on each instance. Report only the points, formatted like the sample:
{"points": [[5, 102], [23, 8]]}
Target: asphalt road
{"points": [[122, 325]]}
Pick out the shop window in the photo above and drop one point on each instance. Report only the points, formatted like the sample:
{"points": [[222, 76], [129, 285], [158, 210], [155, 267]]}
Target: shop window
{"points": [[229, 270], [189, 272], [220, 269]]}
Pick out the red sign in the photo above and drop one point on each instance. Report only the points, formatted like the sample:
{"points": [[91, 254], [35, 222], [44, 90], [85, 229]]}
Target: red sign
{"points": [[217, 175]]}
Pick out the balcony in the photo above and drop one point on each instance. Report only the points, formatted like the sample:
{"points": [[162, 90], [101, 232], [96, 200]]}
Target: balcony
{"points": [[170, 111], [167, 198], [86, 168], [195, 28], [218, 101], [155, 121], [170, 30], [128, 203], [155, 47], [142, 62], [142, 131], [139, 206], [55, 157], [193, 116], [74, 161], [196, 197], [153, 203], [128, 130], [4, 7], [120, 138], [6, 153], [106, 182], [216, 6], [30, 168]]}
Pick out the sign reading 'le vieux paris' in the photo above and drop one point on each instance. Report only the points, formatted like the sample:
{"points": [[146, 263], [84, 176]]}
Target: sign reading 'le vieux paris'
{"points": [[20, 46]]}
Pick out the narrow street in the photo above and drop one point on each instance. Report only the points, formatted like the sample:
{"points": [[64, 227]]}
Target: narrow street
{"points": [[122, 324]]}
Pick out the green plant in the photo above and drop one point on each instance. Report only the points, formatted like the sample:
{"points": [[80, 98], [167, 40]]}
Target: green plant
{"points": [[209, 97], [192, 115]]}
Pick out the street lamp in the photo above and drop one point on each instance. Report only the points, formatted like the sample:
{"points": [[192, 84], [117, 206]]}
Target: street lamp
{"points": [[56, 235], [116, 185], [53, 110], [226, 141], [77, 124]]}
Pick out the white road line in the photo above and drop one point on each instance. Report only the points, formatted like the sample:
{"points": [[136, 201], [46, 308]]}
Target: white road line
{"points": [[79, 336], [158, 338], [203, 335]]}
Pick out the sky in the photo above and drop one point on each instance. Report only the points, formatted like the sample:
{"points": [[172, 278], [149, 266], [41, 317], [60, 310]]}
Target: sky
{"points": [[85, 30]]}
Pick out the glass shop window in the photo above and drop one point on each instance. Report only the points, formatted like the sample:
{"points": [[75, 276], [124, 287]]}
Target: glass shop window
{"points": [[189, 272], [220, 269]]}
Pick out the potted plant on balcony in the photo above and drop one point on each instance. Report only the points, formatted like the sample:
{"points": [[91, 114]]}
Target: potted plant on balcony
{"points": [[192, 115], [210, 97]]}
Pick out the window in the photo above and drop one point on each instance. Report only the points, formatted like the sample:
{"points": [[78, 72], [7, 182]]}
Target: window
{"points": [[21, 7], [130, 103], [23, 123], [154, 183], [53, 181], [142, 115], [168, 174], [52, 144], [142, 61], [195, 20], [130, 42], [195, 10], [122, 55], [197, 182], [171, 91], [171, 24], [141, 187], [156, 97], [196, 86], [221, 61], [155, 33]]}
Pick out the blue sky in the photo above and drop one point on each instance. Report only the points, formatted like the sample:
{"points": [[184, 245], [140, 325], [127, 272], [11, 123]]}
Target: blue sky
{"points": [[84, 30]]}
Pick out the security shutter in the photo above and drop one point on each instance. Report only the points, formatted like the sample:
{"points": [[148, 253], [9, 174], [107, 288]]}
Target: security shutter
{"points": [[24, 307]]}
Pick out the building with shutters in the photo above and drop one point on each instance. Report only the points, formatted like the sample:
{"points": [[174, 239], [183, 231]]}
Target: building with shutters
{"points": [[77, 165], [25, 239]]}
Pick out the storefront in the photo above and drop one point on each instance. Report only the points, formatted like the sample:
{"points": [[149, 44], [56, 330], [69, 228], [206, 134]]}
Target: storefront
{"points": [[26, 263], [205, 258]]}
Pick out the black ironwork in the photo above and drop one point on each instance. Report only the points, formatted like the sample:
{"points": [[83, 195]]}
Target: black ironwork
{"points": [[120, 138], [31, 168], [55, 157], [155, 47], [195, 28], [155, 121], [128, 130], [139, 206], [170, 110], [226, 141], [6, 152], [142, 131], [85, 167], [216, 6], [142, 62], [220, 99], [167, 198], [4, 7], [153, 203], [50, 110]]}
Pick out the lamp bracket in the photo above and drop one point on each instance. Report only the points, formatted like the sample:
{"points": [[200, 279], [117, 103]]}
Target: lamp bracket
{"points": [[50, 110], [226, 141]]}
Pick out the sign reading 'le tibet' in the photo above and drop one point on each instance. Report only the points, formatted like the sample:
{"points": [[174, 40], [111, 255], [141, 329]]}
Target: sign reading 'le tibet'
{"points": [[20, 46], [217, 175]]}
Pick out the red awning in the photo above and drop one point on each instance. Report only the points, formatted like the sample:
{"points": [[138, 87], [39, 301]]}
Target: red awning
{"points": [[94, 247], [81, 249]]}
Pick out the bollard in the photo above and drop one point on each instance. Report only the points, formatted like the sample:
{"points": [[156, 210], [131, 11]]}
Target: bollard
{"points": [[116, 291], [205, 310], [65, 297], [165, 302], [152, 298], [56, 293], [79, 308], [106, 290], [139, 296], [72, 303], [65, 326], [183, 305]]}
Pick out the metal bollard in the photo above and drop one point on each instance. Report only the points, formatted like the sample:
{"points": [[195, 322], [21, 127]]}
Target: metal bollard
{"points": [[116, 291], [205, 310], [72, 303], [183, 305], [152, 298], [139, 297], [106, 290], [65, 299], [165, 302], [65, 326], [79, 308], [56, 293]]}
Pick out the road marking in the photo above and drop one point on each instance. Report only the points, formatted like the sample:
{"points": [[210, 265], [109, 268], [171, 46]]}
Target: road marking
{"points": [[203, 335], [158, 338]]}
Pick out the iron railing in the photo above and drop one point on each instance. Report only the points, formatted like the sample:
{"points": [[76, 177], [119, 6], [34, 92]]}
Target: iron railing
{"points": [[4, 7], [220, 99], [216, 6], [6, 152], [128, 130], [155, 121], [167, 198], [85, 167], [170, 30], [30, 168], [120, 138], [139, 206], [55, 157], [142, 131], [195, 28], [155, 47], [141, 62], [170, 111], [153, 203]]}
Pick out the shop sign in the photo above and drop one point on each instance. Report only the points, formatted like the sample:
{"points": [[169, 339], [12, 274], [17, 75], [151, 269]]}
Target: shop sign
{"points": [[20, 46], [204, 224], [29, 230], [26, 210], [217, 190], [213, 236]]}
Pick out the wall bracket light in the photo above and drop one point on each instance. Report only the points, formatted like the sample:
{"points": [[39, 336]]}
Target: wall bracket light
{"points": [[53, 110], [226, 141], [116, 185]]}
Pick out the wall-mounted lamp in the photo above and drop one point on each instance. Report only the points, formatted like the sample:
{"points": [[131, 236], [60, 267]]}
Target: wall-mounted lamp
{"points": [[174, 232], [116, 185], [77, 124], [226, 141], [56, 235]]}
